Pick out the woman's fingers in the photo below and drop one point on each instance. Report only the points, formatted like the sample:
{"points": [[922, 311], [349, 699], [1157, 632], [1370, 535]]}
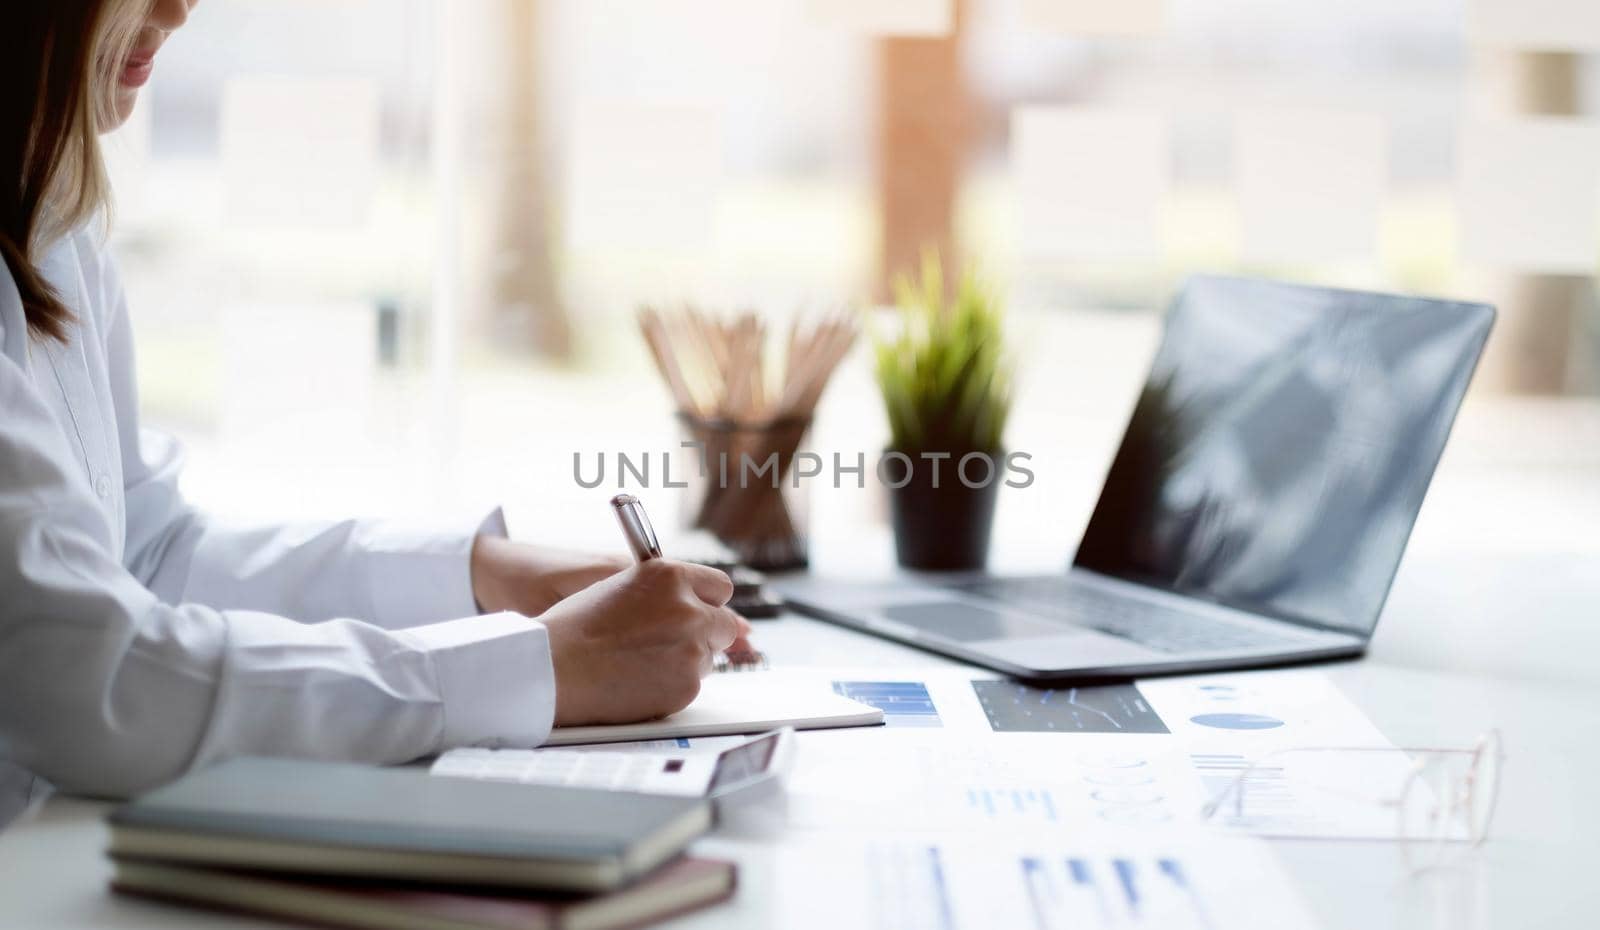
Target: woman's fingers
{"points": [[637, 645], [709, 585], [724, 630]]}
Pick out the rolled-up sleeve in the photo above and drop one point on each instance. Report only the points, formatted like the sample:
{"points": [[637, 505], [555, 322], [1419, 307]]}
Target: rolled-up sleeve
{"points": [[491, 656], [383, 572], [343, 689], [416, 577]]}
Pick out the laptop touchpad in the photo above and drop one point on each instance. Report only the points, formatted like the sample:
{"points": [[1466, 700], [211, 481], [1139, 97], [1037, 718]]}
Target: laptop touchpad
{"points": [[965, 623]]}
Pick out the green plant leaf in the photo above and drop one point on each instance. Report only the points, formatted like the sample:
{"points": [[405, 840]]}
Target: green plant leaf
{"points": [[944, 373]]}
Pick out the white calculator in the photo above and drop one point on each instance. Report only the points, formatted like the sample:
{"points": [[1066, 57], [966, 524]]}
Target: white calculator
{"points": [[748, 769]]}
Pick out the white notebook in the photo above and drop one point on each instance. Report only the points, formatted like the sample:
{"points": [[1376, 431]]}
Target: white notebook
{"points": [[749, 702]]}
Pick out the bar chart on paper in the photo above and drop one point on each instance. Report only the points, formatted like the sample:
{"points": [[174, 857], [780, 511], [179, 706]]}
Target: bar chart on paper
{"points": [[1028, 805], [904, 703], [1075, 891], [909, 888], [1093, 880]]}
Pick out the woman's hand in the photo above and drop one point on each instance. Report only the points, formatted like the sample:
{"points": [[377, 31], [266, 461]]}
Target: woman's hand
{"points": [[635, 646], [532, 579]]}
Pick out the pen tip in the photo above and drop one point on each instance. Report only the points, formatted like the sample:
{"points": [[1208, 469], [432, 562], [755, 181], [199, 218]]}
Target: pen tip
{"points": [[623, 500]]}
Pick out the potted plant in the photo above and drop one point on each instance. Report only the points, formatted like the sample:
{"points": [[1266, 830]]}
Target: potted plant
{"points": [[946, 383]]}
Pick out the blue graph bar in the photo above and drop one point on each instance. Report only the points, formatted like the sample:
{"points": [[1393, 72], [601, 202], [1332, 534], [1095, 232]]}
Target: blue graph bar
{"points": [[936, 864], [1041, 892], [1174, 870], [1125, 877]]}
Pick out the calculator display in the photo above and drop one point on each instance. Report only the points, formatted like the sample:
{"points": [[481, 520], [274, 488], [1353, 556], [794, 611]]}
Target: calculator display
{"points": [[742, 763]]}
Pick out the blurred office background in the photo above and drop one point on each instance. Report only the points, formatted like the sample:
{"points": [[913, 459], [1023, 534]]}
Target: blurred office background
{"points": [[383, 255]]}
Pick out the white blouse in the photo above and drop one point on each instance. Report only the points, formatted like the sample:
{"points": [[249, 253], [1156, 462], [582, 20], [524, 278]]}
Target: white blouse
{"points": [[139, 639]]}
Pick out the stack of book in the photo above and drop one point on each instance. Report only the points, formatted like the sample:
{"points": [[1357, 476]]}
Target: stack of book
{"points": [[355, 846]]}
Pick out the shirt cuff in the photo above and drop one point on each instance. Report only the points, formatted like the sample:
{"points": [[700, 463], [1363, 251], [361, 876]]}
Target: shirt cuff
{"points": [[420, 578], [495, 677]]}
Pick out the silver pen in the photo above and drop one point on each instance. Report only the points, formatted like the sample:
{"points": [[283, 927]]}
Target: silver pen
{"points": [[636, 528], [642, 542]]}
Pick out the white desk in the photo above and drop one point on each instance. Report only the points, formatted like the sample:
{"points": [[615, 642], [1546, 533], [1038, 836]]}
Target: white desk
{"points": [[1466, 644]]}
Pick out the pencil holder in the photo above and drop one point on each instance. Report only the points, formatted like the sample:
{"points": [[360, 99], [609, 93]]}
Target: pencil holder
{"points": [[743, 488]]}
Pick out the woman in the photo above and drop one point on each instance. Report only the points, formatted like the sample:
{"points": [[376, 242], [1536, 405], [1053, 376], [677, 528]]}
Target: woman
{"points": [[137, 638]]}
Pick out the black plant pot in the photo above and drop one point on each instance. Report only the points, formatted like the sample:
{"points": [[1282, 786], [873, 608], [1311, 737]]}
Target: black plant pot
{"points": [[944, 528]]}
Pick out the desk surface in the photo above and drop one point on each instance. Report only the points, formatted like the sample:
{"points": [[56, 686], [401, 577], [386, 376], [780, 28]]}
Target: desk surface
{"points": [[1467, 644]]}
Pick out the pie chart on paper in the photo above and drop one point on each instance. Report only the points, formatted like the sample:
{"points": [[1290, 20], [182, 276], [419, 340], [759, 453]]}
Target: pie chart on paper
{"points": [[1237, 721]]}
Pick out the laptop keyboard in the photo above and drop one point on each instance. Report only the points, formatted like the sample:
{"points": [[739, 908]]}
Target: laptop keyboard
{"points": [[1155, 626]]}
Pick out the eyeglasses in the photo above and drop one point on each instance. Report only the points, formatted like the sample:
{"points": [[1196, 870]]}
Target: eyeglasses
{"points": [[1435, 802]]}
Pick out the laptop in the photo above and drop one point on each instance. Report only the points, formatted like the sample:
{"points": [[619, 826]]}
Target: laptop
{"points": [[1257, 508]]}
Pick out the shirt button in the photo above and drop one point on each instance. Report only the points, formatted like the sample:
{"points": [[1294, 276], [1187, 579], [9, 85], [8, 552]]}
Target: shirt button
{"points": [[102, 487]]}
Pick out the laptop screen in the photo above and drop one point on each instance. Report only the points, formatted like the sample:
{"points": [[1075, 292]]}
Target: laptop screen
{"points": [[1283, 443]]}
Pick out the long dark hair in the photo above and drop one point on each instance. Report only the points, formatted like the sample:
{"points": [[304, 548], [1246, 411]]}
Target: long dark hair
{"points": [[57, 79]]}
